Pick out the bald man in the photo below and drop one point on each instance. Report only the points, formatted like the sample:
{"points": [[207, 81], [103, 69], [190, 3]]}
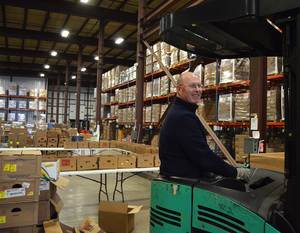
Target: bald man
{"points": [[183, 149]]}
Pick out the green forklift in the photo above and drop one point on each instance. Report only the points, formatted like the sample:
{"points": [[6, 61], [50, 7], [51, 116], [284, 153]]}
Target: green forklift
{"points": [[269, 202]]}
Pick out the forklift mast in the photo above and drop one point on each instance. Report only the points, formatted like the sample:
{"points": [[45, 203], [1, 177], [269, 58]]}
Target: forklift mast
{"points": [[251, 28]]}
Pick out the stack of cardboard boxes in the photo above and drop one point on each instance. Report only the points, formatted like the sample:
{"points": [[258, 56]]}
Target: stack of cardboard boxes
{"points": [[17, 138], [19, 189]]}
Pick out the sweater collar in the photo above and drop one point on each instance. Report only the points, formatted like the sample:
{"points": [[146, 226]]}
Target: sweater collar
{"points": [[190, 107]]}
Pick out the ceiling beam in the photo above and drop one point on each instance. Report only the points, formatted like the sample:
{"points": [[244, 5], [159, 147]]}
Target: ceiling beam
{"points": [[70, 8], [56, 37], [63, 56]]}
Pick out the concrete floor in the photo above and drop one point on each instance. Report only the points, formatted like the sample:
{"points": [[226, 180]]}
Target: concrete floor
{"points": [[80, 198]]}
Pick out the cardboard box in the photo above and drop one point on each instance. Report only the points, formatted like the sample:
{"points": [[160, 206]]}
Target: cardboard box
{"points": [[83, 144], [24, 166], [51, 145], [40, 144], [113, 144], [53, 140], [156, 160], [52, 134], [50, 170], [44, 211], [94, 144], [41, 134], [132, 147], [67, 163], [63, 153], [52, 227], [18, 214], [47, 190], [104, 144], [87, 162], [26, 229], [145, 160], [116, 217], [271, 161], [89, 225], [108, 162], [19, 190], [70, 145], [127, 161]]}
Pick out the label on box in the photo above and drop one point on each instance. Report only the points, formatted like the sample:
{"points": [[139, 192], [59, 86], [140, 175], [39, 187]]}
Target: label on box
{"points": [[6, 167], [65, 162], [2, 219], [25, 185], [20, 192], [2, 194], [44, 186], [13, 167]]}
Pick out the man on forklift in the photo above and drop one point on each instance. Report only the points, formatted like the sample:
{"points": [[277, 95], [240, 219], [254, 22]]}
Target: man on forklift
{"points": [[183, 148]]}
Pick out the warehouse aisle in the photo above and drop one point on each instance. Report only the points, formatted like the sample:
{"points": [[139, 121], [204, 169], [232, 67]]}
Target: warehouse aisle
{"points": [[80, 199]]}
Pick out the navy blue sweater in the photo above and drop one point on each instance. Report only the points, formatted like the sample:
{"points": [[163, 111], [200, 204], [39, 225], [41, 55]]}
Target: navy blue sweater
{"points": [[183, 149]]}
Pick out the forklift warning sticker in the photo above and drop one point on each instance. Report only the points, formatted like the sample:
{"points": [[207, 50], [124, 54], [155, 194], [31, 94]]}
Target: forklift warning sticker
{"points": [[19, 192]]}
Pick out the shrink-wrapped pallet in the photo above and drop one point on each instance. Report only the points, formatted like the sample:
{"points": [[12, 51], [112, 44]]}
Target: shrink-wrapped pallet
{"points": [[147, 112], [2, 103], [210, 74], [242, 107], [172, 85], [273, 105], [12, 88], [23, 89], [163, 108], [174, 57], [156, 112], [226, 107], [234, 70], [148, 90], [156, 87], [274, 65], [207, 109], [22, 104], [164, 85], [12, 104], [183, 56], [2, 90]]}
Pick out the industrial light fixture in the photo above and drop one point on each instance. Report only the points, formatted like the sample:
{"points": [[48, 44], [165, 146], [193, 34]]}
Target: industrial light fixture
{"points": [[64, 33], [83, 69], [96, 58], [73, 77], [47, 66], [119, 40], [84, 1], [53, 53], [42, 74]]}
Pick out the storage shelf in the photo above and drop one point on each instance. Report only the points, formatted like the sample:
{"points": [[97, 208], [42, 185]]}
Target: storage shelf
{"points": [[245, 124], [26, 110], [24, 97]]}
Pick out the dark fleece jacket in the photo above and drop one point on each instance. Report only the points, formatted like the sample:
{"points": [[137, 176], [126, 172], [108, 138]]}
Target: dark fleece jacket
{"points": [[183, 149]]}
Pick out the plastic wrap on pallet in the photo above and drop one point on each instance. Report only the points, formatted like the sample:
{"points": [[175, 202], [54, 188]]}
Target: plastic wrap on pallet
{"points": [[2, 90], [148, 91], [156, 112], [226, 107], [173, 86], [183, 56], [21, 117], [200, 72], [43, 93], [156, 87], [149, 60], [163, 108], [2, 103], [165, 47], [147, 111], [158, 54], [42, 105], [132, 93], [207, 109], [23, 89], [12, 88], [165, 58], [234, 70], [12, 104], [242, 107], [164, 84], [148, 69], [274, 65], [273, 104], [210, 74], [11, 116], [174, 57], [155, 67]]}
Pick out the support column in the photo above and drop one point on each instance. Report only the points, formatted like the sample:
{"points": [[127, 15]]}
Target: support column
{"points": [[139, 103], [100, 70], [78, 88], [258, 97], [57, 100], [66, 93], [52, 101]]}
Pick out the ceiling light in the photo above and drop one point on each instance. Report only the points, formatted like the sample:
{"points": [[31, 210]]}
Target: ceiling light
{"points": [[73, 77], [47, 66], [64, 33], [96, 58], [119, 40], [42, 75], [83, 69], [53, 53], [84, 1]]}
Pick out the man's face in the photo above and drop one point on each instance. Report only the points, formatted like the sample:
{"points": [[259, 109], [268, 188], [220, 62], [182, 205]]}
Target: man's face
{"points": [[190, 90]]}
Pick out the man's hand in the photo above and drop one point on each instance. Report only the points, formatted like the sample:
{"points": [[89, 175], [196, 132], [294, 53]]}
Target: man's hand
{"points": [[243, 174]]}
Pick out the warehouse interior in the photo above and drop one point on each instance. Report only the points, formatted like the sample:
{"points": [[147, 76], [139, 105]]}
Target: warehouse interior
{"points": [[85, 86]]}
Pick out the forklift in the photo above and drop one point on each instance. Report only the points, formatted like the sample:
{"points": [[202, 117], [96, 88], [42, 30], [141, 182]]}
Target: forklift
{"points": [[269, 203]]}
